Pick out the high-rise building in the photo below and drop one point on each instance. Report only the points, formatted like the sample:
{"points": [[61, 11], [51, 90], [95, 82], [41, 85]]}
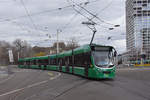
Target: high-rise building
{"points": [[138, 29]]}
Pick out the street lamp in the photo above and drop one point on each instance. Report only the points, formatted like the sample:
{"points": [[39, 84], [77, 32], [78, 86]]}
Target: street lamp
{"points": [[58, 31]]}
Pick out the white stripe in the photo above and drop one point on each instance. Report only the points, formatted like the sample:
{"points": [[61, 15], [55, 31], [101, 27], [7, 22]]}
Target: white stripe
{"points": [[29, 86], [6, 79]]}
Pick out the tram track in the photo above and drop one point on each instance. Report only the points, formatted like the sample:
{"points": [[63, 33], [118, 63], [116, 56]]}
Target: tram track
{"points": [[60, 93], [25, 83], [126, 86], [45, 85], [13, 92]]}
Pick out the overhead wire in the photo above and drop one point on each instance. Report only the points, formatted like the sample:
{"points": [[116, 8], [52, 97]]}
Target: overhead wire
{"points": [[30, 18], [108, 5], [69, 22], [28, 14], [73, 6], [95, 16], [18, 25], [92, 15], [73, 17], [42, 12], [101, 10]]}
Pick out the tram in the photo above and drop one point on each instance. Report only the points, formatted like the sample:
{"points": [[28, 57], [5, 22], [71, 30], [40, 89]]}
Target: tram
{"points": [[91, 61]]}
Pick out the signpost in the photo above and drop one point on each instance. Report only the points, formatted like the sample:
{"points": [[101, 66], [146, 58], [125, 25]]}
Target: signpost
{"points": [[11, 58]]}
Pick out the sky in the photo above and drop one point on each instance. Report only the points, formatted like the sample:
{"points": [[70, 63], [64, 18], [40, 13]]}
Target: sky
{"points": [[37, 21]]}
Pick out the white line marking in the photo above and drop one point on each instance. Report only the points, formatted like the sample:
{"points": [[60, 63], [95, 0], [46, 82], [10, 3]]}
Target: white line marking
{"points": [[36, 84], [6, 79], [29, 86]]}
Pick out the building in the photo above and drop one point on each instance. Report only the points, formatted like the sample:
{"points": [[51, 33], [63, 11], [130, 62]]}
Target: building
{"points": [[138, 29]]}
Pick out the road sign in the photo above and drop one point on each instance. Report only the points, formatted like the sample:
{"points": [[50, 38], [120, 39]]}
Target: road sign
{"points": [[11, 58]]}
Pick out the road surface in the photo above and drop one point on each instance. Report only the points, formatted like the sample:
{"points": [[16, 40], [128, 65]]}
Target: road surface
{"points": [[30, 84]]}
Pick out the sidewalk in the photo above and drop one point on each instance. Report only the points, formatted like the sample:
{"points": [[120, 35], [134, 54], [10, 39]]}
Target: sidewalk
{"points": [[132, 68]]}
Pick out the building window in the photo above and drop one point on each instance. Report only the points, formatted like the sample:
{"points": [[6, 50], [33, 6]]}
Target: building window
{"points": [[139, 1]]}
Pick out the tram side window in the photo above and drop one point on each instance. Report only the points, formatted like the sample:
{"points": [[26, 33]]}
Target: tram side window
{"points": [[31, 62], [87, 58], [37, 62], [34, 62], [28, 62], [59, 61], [48, 61], [45, 62], [78, 60], [40, 62], [24, 63], [20, 63], [82, 60], [53, 61], [62, 61], [70, 60], [66, 61]]}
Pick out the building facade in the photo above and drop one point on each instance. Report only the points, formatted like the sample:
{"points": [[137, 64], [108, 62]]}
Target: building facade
{"points": [[138, 29]]}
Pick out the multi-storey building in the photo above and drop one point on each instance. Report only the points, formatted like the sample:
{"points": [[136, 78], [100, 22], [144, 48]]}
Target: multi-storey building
{"points": [[138, 29]]}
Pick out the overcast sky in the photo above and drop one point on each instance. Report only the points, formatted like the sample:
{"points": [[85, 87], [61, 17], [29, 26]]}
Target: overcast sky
{"points": [[36, 21]]}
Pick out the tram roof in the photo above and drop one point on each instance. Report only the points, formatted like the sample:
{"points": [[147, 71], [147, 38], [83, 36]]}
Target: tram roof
{"points": [[81, 49]]}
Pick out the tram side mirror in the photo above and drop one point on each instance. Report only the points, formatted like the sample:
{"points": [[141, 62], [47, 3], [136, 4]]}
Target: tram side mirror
{"points": [[92, 48]]}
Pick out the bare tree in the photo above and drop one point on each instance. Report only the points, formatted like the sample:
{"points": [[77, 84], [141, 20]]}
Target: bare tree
{"points": [[62, 46], [23, 48], [72, 43]]}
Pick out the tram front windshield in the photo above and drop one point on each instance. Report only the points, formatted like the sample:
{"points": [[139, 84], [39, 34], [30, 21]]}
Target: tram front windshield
{"points": [[101, 58]]}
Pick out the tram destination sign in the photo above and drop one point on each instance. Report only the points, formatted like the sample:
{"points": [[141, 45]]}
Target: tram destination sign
{"points": [[101, 48]]}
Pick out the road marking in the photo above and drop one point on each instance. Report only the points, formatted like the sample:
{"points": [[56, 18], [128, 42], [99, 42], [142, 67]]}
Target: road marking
{"points": [[29, 86], [50, 73], [52, 78], [2, 67], [6, 79]]}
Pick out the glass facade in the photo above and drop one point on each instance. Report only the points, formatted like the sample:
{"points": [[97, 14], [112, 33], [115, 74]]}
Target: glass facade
{"points": [[138, 28]]}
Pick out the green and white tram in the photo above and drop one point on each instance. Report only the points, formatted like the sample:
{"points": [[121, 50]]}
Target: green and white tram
{"points": [[91, 61]]}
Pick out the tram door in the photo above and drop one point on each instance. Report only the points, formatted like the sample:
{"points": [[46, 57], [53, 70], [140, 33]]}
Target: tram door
{"points": [[87, 62], [86, 70]]}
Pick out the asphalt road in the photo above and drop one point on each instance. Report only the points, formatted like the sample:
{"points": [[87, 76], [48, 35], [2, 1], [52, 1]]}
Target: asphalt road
{"points": [[29, 84]]}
